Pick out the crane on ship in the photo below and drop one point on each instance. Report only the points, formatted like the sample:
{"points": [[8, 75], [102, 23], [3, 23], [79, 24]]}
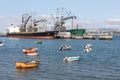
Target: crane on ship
{"points": [[60, 23], [25, 19], [32, 25], [70, 17], [42, 20], [25, 23], [39, 24], [67, 18]]}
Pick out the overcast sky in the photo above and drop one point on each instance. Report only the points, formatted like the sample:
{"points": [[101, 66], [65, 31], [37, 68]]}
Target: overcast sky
{"points": [[91, 14]]}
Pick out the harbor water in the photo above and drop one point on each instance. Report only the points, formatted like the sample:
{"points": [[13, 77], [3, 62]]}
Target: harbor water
{"points": [[102, 63]]}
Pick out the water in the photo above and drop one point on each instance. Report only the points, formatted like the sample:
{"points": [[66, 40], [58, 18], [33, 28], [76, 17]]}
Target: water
{"points": [[103, 63]]}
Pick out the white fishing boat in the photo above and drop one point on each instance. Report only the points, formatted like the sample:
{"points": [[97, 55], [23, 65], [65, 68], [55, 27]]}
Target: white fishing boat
{"points": [[1, 44], [71, 59], [87, 48], [32, 54]]}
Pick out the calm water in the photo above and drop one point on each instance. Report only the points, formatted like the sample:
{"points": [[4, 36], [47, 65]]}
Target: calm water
{"points": [[103, 63]]}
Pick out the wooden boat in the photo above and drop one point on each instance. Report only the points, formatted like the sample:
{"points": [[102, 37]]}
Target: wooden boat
{"points": [[28, 64], [30, 50], [71, 59], [66, 47]]}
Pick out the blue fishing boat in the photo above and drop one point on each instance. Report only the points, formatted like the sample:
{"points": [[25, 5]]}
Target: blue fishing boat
{"points": [[71, 59]]}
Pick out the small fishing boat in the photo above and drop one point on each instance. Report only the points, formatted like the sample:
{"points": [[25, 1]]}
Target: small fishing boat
{"points": [[30, 50], [66, 47], [28, 64], [38, 42], [32, 54], [87, 48], [71, 59], [1, 44]]}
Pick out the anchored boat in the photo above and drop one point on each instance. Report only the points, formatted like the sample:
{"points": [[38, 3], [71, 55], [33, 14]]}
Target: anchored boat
{"points": [[30, 50], [28, 64], [65, 47], [71, 59], [1, 44], [38, 42]]}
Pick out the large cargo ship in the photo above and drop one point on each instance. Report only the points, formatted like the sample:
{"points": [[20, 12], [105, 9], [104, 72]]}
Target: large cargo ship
{"points": [[30, 28], [37, 35], [35, 28]]}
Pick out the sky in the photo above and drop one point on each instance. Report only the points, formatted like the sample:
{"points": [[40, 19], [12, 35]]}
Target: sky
{"points": [[91, 14]]}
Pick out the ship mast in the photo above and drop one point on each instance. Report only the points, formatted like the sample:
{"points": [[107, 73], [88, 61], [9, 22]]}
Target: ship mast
{"points": [[25, 19], [60, 20]]}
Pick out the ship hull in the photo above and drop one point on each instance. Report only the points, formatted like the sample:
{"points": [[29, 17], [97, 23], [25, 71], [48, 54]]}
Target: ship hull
{"points": [[77, 32], [37, 35], [44, 35]]}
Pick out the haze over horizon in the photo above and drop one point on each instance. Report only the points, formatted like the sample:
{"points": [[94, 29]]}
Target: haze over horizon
{"points": [[91, 14]]}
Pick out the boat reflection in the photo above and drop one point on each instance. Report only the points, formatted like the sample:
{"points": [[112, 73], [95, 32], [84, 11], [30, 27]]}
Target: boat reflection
{"points": [[25, 70], [20, 73]]}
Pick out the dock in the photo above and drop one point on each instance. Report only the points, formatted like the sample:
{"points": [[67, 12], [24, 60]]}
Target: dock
{"points": [[105, 37], [76, 37], [89, 37]]}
